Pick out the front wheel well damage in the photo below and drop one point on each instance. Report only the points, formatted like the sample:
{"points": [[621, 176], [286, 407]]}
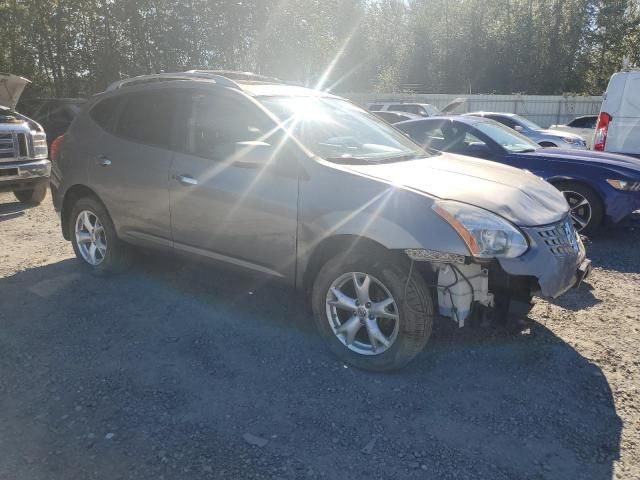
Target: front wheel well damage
{"points": [[332, 246]]}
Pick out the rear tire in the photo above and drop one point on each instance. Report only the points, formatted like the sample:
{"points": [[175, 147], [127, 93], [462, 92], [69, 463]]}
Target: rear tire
{"points": [[587, 218], [33, 196], [389, 281], [94, 239]]}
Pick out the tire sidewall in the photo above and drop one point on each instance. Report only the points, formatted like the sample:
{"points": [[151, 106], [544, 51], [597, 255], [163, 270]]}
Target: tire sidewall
{"points": [[415, 315], [35, 195]]}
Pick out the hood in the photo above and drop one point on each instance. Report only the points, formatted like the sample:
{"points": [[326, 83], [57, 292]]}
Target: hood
{"points": [[591, 157], [11, 87], [559, 133], [451, 106], [514, 194]]}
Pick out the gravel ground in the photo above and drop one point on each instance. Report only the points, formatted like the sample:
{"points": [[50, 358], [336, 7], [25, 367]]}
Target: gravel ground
{"points": [[177, 371]]}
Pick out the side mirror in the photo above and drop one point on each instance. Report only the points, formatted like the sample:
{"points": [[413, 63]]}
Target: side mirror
{"points": [[518, 128], [254, 153]]}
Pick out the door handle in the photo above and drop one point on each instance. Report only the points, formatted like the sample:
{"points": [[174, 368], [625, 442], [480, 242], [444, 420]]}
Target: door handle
{"points": [[186, 180], [103, 161]]}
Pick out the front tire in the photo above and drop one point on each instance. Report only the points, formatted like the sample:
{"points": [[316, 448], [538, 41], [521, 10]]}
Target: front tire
{"points": [[94, 239], [585, 206], [371, 311], [33, 196]]}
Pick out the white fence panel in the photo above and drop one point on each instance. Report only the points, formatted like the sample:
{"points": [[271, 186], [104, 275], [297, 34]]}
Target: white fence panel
{"points": [[542, 109]]}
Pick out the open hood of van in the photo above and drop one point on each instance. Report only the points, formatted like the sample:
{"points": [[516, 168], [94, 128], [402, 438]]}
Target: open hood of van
{"points": [[11, 87], [451, 106]]}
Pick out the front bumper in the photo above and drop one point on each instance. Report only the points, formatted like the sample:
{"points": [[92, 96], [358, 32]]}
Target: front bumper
{"points": [[24, 175], [620, 205], [558, 263]]}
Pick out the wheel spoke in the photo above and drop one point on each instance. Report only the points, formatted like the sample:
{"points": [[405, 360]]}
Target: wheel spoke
{"points": [[86, 222], [83, 237], [102, 248], [376, 337], [362, 289], [350, 329], [342, 301], [580, 221], [92, 253], [580, 204], [379, 309]]}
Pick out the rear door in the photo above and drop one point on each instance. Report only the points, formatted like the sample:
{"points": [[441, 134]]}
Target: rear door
{"points": [[225, 206], [130, 166]]}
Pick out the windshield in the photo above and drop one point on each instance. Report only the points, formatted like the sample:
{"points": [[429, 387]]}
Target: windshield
{"points": [[337, 130], [507, 138], [431, 110], [526, 123]]}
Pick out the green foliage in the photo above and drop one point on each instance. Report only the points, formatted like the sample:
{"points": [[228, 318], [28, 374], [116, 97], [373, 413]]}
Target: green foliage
{"points": [[77, 47]]}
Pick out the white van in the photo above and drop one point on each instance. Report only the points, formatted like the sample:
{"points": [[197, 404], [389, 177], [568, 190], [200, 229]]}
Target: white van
{"points": [[618, 127]]}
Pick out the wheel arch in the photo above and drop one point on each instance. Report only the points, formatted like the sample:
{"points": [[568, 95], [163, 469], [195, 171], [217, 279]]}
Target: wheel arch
{"points": [[328, 248], [71, 196], [598, 194]]}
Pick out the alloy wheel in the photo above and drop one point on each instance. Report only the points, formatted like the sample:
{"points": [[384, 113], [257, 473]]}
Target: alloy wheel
{"points": [[90, 237], [579, 209], [362, 313]]}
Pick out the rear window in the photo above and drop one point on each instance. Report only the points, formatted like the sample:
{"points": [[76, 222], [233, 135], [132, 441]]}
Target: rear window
{"points": [[103, 112], [147, 117]]}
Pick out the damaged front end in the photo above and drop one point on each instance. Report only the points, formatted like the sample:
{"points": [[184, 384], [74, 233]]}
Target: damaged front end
{"points": [[481, 288]]}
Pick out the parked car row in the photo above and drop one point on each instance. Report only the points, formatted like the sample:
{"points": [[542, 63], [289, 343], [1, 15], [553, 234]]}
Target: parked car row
{"points": [[379, 231], [600, 188]]}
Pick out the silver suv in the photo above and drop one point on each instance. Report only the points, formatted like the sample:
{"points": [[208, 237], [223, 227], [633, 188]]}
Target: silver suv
{"points": [[305, 187]]}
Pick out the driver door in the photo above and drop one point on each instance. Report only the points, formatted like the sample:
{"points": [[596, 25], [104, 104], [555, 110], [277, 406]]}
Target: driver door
{"points": [[231, 206]]}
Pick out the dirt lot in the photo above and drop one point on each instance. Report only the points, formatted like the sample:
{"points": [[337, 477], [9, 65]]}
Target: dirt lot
{"points": [[162, 373]]}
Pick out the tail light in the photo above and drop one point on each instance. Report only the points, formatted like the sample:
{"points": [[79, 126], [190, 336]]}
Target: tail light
{"points": [[55, 147], [602, 129]]}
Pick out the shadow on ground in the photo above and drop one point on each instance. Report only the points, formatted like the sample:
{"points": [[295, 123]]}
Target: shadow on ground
{"points": [[605, 252], [13, 210], [160, 372]]}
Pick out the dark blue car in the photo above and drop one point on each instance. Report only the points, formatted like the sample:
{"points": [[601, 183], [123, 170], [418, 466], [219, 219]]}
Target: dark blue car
{"points": [[601, 188]]}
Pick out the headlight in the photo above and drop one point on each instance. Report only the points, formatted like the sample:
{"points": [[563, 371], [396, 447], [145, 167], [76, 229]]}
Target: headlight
{"points": [[625, 185], [486, 234], [572, 141]]}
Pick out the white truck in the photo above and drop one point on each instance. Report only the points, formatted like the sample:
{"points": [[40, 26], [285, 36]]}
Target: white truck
{"points": [[24, 166], [618, 127]]}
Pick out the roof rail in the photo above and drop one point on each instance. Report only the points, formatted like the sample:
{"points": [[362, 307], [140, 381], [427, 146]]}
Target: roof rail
{"points": [[167, 77], [240, 76]]}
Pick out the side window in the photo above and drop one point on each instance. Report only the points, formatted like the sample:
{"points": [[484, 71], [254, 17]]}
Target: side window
{"points": [[503, 120], [578, 123], [103, 112], [430, 136], [60, 113], [399, 108], [217, 123], [147, 117]]}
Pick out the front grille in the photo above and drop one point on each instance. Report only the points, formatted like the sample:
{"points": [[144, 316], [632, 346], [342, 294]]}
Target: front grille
{"points": [[6, 146], [561, 238]]}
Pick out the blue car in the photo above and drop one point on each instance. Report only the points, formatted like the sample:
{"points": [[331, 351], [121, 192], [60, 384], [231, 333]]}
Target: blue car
{"points": [[601, 188]]}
